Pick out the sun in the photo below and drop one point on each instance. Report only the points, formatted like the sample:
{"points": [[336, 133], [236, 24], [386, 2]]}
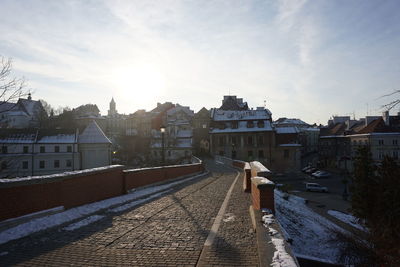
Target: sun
{"points": [[142, 84]]}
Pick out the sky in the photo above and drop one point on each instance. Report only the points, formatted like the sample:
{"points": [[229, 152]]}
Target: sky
{"points": [[303, 59]]}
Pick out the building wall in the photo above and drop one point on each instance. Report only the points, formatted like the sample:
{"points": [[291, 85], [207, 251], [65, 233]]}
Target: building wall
{"points": [[95, 155]]}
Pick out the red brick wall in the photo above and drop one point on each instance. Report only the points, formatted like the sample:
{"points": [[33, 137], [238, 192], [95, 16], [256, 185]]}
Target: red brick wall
{"points": [[79, 189], [142, 177], [263, 198]]}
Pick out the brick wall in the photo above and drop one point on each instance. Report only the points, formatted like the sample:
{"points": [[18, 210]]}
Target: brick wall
{"points": [[22, 196], [262, 193]]}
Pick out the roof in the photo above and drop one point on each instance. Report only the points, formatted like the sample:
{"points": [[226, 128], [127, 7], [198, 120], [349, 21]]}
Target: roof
{"points": [[93, 135], [57, 136], [232, 103], [283, 121], [376, 126], [235, 115], [18, 136]]}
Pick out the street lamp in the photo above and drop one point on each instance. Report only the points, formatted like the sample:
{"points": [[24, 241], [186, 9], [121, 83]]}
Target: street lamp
{"points": [[162, 129]]}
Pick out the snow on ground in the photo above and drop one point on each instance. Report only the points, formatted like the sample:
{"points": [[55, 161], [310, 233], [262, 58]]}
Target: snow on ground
{"points": [[347, 218], [281, 257], [84, 222], [53, 220], [311, 233]]}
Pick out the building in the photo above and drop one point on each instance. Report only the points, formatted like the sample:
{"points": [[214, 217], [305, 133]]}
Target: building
{"points": [[176, 141], [201, 129], [29, 152], [308, 135], [248, 134], [25, 113], [116, 124], [339, 142]]}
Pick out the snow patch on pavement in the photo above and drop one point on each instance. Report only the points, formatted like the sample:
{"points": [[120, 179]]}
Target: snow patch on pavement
{"points": [[310, 232], [84, 222], [347, 218]]}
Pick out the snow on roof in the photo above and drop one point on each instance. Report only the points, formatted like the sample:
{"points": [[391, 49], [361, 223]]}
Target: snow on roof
{"points": [[286, 130], [6, 106], [234, 115], [19, 138], [242, 127], [59, 138], [93, 135], [291, 121], [180, 108]]}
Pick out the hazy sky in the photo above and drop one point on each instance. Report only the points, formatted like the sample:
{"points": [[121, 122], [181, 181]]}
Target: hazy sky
{"points": [[307, 59]]}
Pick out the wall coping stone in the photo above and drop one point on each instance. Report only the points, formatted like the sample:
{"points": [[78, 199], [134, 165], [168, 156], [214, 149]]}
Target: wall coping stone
{"points": [[162, 167], [261, 182], [51, 178]]}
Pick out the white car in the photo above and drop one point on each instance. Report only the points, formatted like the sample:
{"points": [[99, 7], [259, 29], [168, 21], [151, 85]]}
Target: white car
{"points": [[316, 187]]}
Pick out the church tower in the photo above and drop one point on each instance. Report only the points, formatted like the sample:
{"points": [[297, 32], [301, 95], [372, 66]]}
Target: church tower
{"points": [[112, 111]]}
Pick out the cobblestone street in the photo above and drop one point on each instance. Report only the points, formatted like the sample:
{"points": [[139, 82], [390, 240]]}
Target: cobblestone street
{"points": [[167, 231]]}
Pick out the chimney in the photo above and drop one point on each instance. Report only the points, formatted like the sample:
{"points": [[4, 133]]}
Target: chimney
{"points": [[385, 117]]}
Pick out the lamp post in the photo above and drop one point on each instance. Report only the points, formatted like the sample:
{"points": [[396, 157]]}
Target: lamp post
{"points": [[162, 129]]}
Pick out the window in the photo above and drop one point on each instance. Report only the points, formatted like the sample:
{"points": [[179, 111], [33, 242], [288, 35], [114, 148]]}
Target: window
{"points": [[380, 155], [260, 124], [286, 153], [4, 165], [250, 153], [204, 126], [26, 149], [69, 148], [4, 149], [235, 125], [380, 142], [250, 124], [68, 163], [56, 163], [24, 165], [260, 154], [395, 142], [56, 149], [250, 140], [41, 164], [395, 155], [42, 149]]}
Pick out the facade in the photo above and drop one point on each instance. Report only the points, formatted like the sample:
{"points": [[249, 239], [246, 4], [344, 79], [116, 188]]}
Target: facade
{"points": [[28, 152], [176, 141], [26, 113], [248, 134], [201, 129]]}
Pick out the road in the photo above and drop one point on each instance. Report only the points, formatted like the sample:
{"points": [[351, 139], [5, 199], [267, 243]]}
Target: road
{"points": [[168, 231]]}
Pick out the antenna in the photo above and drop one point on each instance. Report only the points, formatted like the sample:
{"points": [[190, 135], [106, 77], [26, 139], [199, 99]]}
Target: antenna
{"points": [[367, 109], [265, 103]]}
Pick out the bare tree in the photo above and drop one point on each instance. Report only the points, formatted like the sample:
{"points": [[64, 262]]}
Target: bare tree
{"points": [[393, 103], [11, 88]]}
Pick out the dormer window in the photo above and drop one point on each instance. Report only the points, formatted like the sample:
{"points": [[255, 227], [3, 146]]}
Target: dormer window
{"points": [[222, 126], [250, 124], [260, 124], [234, 125]]}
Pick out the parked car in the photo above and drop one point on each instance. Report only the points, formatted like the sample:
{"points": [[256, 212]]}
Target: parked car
{"points": [[306, 168], [316, 187], [321, 174], [311, 170]]}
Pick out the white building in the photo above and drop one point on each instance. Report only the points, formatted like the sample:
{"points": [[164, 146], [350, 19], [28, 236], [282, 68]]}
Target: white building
{"points": [[26, 113], [26, 152]]}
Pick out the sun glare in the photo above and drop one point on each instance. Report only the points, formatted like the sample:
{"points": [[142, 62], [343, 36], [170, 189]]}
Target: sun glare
{"points": [[144, 84]]}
